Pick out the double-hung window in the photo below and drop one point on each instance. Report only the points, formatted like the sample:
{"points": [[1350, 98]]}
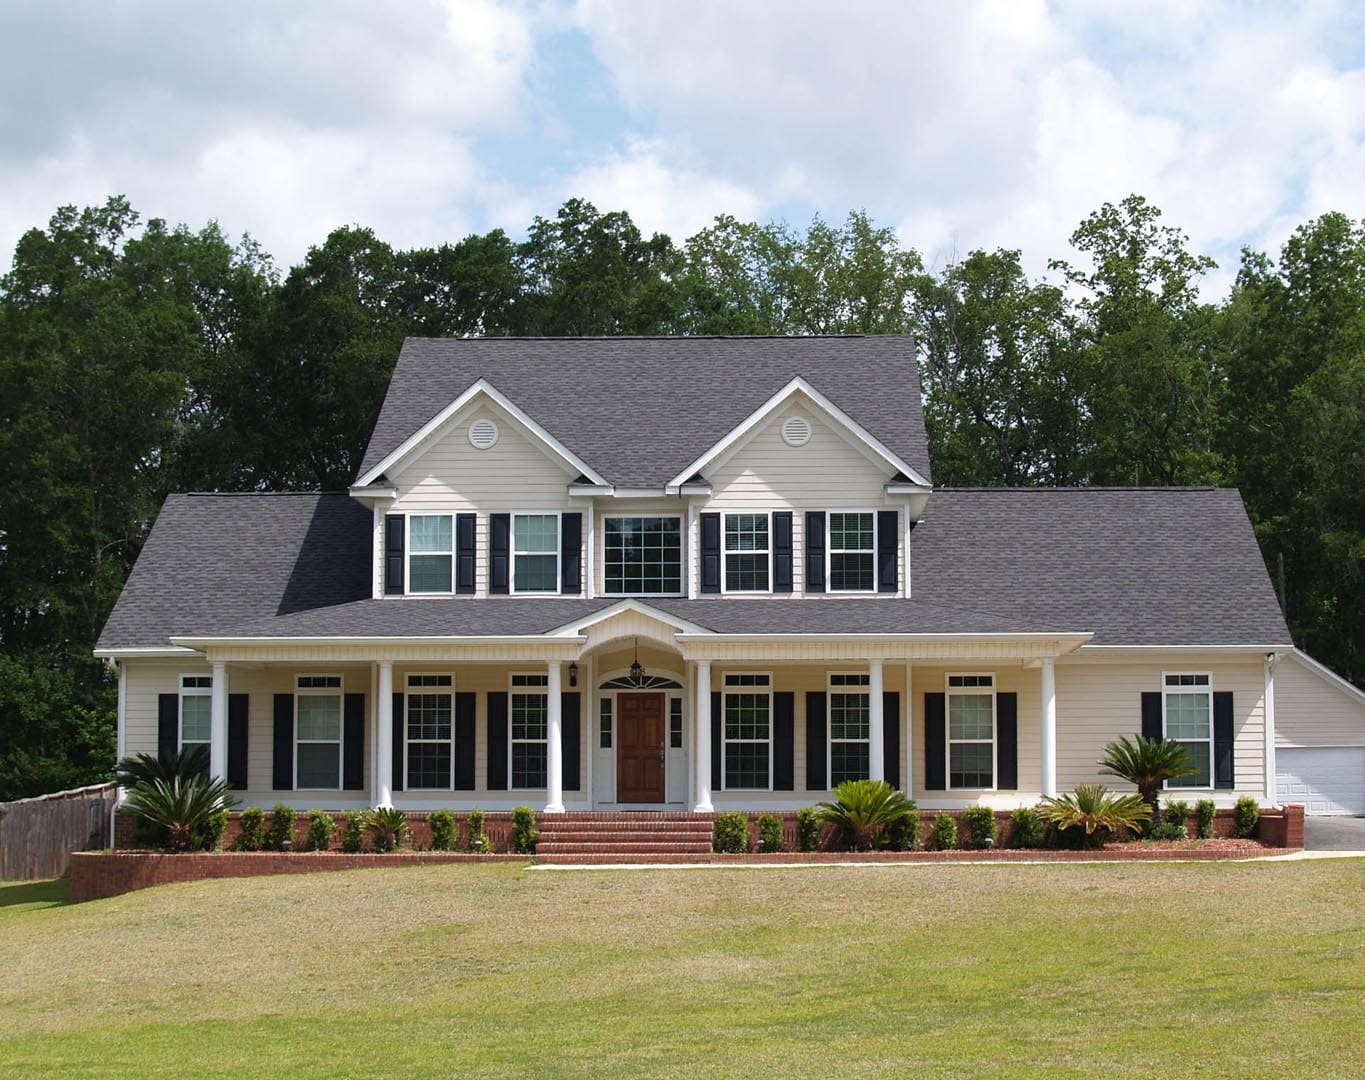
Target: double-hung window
{"points": [[431, 553], [535, 553], [747, 730], [530, 728], [317, 732], [196, 707], [748, 553], [642, 556], [428, 713], [852, 551], [1187, 715], [971, 731], [850, 724]]}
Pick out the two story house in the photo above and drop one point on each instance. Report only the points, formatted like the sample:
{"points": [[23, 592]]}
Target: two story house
{"points": [[691, 574]]}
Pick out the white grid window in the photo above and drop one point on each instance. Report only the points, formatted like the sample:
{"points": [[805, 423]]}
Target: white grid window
{"points": [[971, 731], [850, 725], [747, 733], [429, 715], [196, 709], [431, 553], [535, 553], [852, 552], [642, 556], [317, 732], [748, 553], [1187, 718], [530, 729]]}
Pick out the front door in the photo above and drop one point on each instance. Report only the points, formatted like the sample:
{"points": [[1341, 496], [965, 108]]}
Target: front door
{"points": [[640, 748]]}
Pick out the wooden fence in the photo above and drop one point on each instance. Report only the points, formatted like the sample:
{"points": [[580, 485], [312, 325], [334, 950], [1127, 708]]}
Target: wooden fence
{"points": [[37, 836]]}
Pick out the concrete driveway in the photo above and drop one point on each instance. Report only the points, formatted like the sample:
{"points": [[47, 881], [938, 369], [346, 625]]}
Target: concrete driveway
{"points": [[1334, 833]]}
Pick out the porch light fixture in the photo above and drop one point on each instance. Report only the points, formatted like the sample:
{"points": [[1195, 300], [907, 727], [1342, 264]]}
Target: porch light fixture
{"points": [[573, 674], [637, 673]]}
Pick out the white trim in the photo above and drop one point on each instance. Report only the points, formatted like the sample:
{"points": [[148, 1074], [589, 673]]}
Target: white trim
{"points": [[152, 652], [1327, 675], [866, 689], [682, 554], [437, 424], [629, 603], [829, 552], [797, 385], [1268, 712], [512, 552], [1142, 650], [339, 692], [1173, 785], [448, 691], [372, 495], [949, 691], [724, 552], [725, 740], [408, 555]]}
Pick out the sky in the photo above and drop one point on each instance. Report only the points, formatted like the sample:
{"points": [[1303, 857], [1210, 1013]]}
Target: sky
{"points": [[998, 123]]}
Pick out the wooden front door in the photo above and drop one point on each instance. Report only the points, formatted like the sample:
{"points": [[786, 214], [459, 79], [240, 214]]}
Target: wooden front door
{"points": [[640, 748]]}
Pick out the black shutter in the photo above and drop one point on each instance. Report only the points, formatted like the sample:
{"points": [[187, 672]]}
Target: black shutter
{"points": [[1007, 742], [1151, 715], [782, 551], [238, 714], [399, 732], [167, 724], [891, 741], [784, 741], [353, 743], [816, 777], [497, 741], [499, 552], [717, 727], [888, 549], [282, 778], [571, 554], [1222, 740], [935, 723], [464, 741], [570, 739], [814, 540], [710, 553], [393, 553], [466, 528]]}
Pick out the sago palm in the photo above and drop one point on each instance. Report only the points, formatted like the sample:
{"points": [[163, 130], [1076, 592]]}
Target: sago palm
{"points": [[180, 765], [180, 806], [1092, 808], [389, 825], [864, 809], [1146, 763]]}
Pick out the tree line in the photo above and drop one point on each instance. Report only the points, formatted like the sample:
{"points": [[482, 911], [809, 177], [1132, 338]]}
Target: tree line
{"points": [[137, 359]]}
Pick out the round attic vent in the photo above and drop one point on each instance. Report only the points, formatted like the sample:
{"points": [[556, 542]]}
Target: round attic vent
{"points": [[483, 433], [796, 431]]}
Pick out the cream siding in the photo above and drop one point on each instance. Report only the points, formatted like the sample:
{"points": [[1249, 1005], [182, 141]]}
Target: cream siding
{"points": [[1313, 710]]}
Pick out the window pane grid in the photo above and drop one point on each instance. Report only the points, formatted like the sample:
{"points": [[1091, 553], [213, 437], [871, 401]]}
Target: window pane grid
{"points": [[847, 761], [195, 712], [746, 552], [428, 717], [429, 765], [675, 724], [746, 765], [643, 555], [969, 765], [747, 731], [1189, 722], [535, 552], [604, 723], [852, 550], [971, 731]]}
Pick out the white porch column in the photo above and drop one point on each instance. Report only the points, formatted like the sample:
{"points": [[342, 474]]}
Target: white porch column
{"points": [[383, 788], [1271, 780], [876, 733], [702, 743], [554, 744], [218, 723], [1049, 728], [908, 746]]}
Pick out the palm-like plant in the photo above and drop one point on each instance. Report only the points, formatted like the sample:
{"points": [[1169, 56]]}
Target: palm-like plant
{"points": [[181, 806], [1147, 763], [864, 809], [1092, 808], [389, 825], [180, 765]]}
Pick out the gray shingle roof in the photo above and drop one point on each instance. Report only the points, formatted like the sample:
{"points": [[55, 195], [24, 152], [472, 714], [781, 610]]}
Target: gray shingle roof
{"points": [[639, 410], [1133, 566]]}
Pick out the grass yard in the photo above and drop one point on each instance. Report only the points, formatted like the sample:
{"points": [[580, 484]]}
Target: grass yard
{"points": [[1082, 970]]}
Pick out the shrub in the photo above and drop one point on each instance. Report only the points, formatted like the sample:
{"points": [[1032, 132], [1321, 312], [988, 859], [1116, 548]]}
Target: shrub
{"points": [[1026, 828], [389, 826], [281, 828], [524, 831], [1087, 814], [251, 826], [1246, 816], [943, 834], [352, 831], [770, 832], [863, 810], [477, 839], [1177, 812], [1204, 812], [209, 835], [730, 832], [320, 829], [1166, 830], [980, 822], [185, 808], [442, 825], [808, 827], [903, 833]]}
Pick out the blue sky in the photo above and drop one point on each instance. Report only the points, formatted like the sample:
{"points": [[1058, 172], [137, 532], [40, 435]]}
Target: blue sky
{"points": [[962, 125]]}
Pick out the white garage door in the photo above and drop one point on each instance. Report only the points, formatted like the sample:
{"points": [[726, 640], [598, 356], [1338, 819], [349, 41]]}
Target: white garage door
{"points": [[1326, 780]]}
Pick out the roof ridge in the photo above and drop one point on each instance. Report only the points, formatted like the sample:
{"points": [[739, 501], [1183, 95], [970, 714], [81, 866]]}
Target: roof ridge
{"points": [[256, 494], [1059, 489], [655, 337]]}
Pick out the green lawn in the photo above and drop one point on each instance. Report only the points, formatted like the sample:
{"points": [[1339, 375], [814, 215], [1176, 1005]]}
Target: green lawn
{"points": [[1228, 970]]}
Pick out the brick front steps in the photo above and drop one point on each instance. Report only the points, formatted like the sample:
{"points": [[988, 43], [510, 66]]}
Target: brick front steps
{"points": [[565, 837]]}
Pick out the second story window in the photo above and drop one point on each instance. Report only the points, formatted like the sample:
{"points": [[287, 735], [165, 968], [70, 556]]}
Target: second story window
{"points": [[852, 552], [642, 556], [748, 553], [535, 553], [431, 552]]}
